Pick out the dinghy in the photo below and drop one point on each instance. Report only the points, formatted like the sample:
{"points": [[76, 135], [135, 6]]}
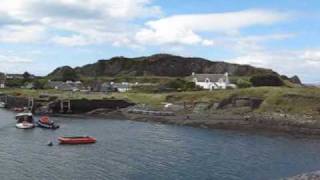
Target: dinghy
{"points": [[77, 140]]}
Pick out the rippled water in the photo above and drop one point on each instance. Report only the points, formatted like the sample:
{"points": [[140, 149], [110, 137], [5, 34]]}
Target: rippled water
{"points": [[134, 150]]}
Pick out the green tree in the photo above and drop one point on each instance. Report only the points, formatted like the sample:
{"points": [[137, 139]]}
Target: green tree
{"points": [[241, 83], [69, 75], [26, 76], [39, 83], [266, 80]]}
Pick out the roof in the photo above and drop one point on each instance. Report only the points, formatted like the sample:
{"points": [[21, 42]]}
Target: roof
{"points": [[212, 77]]}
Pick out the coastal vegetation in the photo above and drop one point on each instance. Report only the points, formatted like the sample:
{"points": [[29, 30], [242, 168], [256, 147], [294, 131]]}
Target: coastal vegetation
{"points": [[303, 100]]}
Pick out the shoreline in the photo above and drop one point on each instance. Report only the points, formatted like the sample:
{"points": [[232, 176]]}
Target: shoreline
{"points": [[240, 112], [252, 122]]}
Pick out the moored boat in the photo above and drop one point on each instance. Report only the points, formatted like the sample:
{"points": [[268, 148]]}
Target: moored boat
{"points": [[24, 125], [18, 109], [2, 104], [77, 140], [44, 122], [24, 121]]}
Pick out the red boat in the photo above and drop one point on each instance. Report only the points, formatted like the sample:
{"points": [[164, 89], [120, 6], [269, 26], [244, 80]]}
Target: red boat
{"points": [[77, 140]]}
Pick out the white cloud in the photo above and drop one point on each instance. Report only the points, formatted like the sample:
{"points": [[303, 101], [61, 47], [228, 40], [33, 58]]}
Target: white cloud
{"points": [[251, 43], [304, 63], [13, 63], [85, 21], [107, 21], [311, 56], [186, 29], [22, 34]]}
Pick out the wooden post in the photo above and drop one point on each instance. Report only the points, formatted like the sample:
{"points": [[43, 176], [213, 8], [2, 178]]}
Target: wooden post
{"points": [[30, 103], [61, 106], [69, 106]]}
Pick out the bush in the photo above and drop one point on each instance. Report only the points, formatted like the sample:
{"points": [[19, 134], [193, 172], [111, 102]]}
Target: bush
{"points": [[70, 75], [39, 83], [241, 83], [266, 80], [15, 82], [178, 85]]}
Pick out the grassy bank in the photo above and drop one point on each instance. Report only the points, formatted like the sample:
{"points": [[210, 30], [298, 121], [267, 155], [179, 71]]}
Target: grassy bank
{"points": [[276, 99]]}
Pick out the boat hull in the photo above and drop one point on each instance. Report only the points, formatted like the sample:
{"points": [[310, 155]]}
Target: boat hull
{"points": [[2, 105], [24, 125], [47, 126], [76, 140]]}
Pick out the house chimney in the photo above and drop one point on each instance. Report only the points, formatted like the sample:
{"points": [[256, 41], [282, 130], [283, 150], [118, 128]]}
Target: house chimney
{"points": [[193, 74]]}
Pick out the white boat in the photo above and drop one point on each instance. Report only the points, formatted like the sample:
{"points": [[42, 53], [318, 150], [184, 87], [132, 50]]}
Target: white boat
{"points": [[25, 121], [2, 104], [25, 125]]}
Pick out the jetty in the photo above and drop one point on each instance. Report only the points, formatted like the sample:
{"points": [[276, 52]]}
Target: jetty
{"points": [[62, 105]]}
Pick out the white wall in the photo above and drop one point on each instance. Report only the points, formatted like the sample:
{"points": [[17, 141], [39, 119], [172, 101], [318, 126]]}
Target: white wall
{"points": [[211, 86]]}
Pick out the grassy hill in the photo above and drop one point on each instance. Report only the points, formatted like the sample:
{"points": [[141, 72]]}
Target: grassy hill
{"points": [[158, 65]]}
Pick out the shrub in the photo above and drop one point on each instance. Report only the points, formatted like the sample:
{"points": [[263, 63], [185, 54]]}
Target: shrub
{"points": [[15, 82], [39, 83], [266, 80], [69, 75], [241, 83], [181, 85]]}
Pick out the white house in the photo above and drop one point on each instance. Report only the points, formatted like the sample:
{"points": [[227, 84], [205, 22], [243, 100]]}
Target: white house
{"points": [[212, 81], [2, 82], [121, 87]]}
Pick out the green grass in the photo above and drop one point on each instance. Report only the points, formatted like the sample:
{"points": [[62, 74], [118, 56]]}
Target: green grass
{"points": [[276, 99], [141, 98]]}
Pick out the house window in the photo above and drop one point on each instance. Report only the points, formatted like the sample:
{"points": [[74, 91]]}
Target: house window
{"points": [[207, 80]]}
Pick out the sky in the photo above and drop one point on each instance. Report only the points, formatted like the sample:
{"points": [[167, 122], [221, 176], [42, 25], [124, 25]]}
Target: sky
{"points": [[40, 35]]}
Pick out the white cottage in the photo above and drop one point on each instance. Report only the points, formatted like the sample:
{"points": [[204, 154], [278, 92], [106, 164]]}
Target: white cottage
{"points": [[2, 82], [211, 81]]}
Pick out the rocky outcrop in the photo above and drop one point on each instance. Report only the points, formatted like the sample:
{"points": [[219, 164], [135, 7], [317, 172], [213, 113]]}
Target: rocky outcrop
{"points": [[85, 105], [161, 65], [295, 79], [242, 101], [307, 176]]}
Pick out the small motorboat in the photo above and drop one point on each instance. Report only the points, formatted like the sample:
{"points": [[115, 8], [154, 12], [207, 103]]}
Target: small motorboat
{"points": [[18, 109], [25, 125], [25, 121], [44, 122], [77, 140], [3, 104]]}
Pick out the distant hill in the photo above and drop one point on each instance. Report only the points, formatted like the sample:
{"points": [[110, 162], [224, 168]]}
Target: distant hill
{"points": [[159, 65]]}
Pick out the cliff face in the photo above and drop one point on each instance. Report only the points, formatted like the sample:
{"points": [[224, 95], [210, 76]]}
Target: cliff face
{"points": [[162, 65]]}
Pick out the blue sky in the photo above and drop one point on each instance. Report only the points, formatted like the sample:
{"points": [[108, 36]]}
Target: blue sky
{"points": [[40, 35]]}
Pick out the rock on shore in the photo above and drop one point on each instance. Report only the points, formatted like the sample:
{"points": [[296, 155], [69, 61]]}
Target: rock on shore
{"points": [[307, 176]]}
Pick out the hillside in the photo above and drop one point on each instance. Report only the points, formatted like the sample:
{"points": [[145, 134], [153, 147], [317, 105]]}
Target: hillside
{"points": [[159, 65]]}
